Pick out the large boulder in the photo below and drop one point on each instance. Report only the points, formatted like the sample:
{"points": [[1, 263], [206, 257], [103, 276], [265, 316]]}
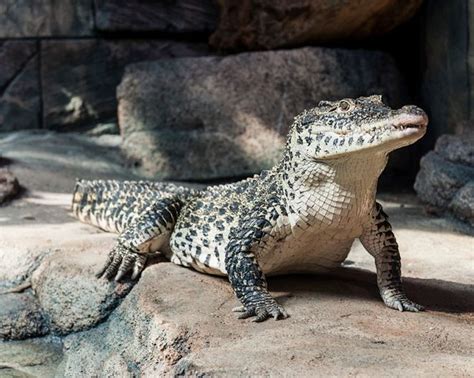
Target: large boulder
{"points": [[19, 85], [21, 317], [446, 177], [213, 117], [177, 322], [178, 16], [45, 18], [267, 24], [70, 295], [79, 77]]}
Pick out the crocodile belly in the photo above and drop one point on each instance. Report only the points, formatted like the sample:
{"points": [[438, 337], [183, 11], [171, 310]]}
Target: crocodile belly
{"points": [[305, 255]]}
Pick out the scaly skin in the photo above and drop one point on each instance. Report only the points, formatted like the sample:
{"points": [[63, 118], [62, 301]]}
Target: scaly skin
{"points": [[301, 216]]}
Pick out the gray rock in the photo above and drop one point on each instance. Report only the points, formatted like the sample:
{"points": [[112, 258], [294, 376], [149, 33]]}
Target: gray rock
{"points": [[446, 175], [457, 148], [30, 358], [18, 262], [45, 18], [178, 16], [79, 77], [179, 322], [462, 205], [141, 335], [9, 186], [212, 117], [19, 86], [70, 295], [439, 179], [267, 24], [21, 317]]}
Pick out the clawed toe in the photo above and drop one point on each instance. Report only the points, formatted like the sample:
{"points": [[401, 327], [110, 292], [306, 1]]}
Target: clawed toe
{"points": [[407, 305], [262, 312], [400, 302], [120, 262]]}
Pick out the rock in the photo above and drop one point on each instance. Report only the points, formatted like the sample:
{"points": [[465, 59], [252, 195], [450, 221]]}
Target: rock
{"points": [[267, 24], [21, 317], [30, 358], [176, 322], [457, 148], [79, 77], [17, 263], [45, 18], [19, 85], [178, 16], [9, 186], [213, 117], [70, 295], [462, 205], [446, 175]]}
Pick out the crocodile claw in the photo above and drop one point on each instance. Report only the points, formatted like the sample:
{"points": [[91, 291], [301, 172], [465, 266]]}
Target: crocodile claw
{"points": [[262, 311], [121, 261], [399, 301]]}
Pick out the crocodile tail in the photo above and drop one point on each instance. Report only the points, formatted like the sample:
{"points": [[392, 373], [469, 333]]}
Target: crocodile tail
{"points": [[112, 205]]}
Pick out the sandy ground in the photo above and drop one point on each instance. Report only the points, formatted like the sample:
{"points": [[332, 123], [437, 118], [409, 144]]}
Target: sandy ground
{"points": [[338, 326]]}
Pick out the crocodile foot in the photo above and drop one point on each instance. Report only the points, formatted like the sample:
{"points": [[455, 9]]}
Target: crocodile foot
{"points": [[262, 311], [398, 300], [120, 261]]}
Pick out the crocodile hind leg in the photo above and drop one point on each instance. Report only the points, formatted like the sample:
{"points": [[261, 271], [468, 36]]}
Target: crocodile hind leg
{"points": [[380, 242], [149, 232]]}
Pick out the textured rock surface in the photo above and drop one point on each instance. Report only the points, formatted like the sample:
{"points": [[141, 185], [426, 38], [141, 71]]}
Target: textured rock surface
{"points": [[17, 263], [30, 358], [252, 24], [446, 175], [21, 317], [462, 205], [178, 16], [187, 328], [9, 186], [203, 118], [70, 294], [79, 77], [19, 85], [45, 18]]}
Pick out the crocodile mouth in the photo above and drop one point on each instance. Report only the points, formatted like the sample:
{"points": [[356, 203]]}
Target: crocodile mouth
{"points": [[410, 123]]}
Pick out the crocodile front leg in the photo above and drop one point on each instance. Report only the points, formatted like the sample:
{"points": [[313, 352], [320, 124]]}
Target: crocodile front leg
{"points": [[245, 275], [380, 242], [146, 234]]}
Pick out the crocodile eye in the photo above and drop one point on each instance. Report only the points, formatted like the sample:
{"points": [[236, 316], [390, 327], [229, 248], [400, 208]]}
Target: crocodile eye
{"points": [[344, 106]]}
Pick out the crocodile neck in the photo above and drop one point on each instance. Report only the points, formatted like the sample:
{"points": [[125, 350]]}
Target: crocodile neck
{"points": [[339, 187]]}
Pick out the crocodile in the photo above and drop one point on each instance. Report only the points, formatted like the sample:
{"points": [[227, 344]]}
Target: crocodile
{"points": [[301, 216]]}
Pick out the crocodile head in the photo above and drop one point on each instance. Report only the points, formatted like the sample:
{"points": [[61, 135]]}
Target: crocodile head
{"points": [[337, 128]]}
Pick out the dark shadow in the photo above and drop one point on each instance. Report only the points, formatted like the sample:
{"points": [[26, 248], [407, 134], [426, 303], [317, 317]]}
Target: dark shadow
{"points": [[434, 295]]}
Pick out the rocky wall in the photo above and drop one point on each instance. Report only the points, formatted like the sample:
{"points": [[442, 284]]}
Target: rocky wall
{"points": [[61, 60]]}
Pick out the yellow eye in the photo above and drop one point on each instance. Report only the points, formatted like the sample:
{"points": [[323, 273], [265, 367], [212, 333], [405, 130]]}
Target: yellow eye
{"points": [[344, 106]]}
